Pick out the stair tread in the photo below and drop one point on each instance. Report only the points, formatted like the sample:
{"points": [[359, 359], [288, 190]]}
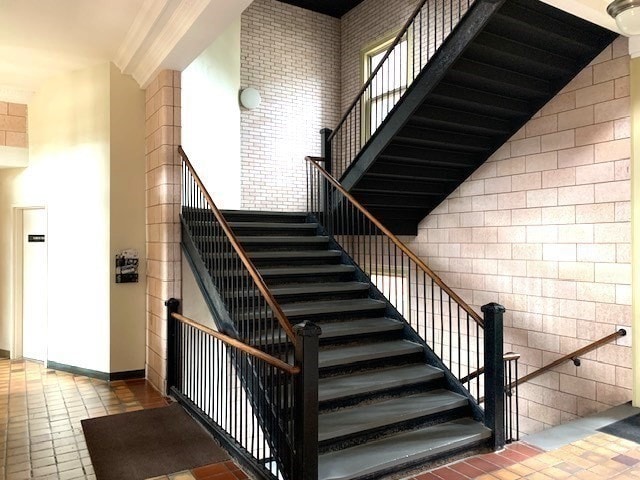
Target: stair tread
{"points": [[342, 386], [349, 421], [295, 254], [281, 239], [279, 225], [345, 328], [311, 288], [359, 353], [331, 306], [396, 450], [305, 270], [264, 212]]}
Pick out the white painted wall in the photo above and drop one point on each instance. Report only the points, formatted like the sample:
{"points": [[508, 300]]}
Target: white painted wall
{"points": [[69, 174], [86, 166], [127, 219], [211, 117]]}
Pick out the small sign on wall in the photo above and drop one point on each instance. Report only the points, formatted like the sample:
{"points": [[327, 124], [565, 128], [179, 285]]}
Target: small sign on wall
{"points": [[127, 262], [35, 238]]}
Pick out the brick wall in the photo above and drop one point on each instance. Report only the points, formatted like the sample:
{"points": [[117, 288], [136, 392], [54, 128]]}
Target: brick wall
{"points": [[369, 22], [13, 125], [291, 56], [163, 208], [544, 228]]}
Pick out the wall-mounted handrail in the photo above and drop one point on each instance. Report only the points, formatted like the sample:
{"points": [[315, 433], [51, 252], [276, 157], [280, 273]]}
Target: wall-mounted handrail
{"points": [[570, 356], [232, 342], [507, 357], [246, 261], [315, 162]]}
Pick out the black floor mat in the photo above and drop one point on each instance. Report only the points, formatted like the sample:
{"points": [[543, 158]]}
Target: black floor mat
{"points": [[629, 428]]}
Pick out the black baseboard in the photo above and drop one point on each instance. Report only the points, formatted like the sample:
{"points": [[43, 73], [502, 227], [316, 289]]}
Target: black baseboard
{"points": [[129, 375], [5, 353]]}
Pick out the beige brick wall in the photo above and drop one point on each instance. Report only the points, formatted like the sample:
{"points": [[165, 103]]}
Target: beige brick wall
{"points": [[163, 131], [292, 57], [544, 228], [369, 22], [13, 125]]}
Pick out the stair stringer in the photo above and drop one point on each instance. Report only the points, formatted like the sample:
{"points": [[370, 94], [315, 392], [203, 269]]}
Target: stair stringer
{"points": [[247, 375], [431, 75], [451, 381]]}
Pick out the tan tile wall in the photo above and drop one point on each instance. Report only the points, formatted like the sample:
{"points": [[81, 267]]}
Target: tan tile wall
{"points": [[544, 228], [291, 56], [163, 131], [13, 125]]}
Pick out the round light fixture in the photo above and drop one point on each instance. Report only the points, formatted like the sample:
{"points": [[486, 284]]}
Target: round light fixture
{"points": [[250, 98], [627, 15]]}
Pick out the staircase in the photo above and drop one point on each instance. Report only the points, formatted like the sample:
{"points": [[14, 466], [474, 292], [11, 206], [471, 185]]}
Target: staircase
{"points": [[502, 63], [383, 407]]}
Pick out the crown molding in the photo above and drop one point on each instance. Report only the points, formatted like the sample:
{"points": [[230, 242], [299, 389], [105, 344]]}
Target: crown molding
{"points": [[141, 28], [634, 46], [14, 95], [176, 27]]}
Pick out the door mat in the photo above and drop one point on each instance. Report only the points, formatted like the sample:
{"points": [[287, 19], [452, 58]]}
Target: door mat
{"points": [[628, 428], [148, 443]]}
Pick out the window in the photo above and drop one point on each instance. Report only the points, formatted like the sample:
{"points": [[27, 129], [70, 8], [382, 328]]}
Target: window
{"points": [[388, 85]]}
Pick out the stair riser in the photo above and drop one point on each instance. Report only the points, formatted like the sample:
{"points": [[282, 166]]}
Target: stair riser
{"points": [[198, 229], [293, 261], [263, 217], [371, 364], [334, 316], [287, 299], [284, 247], [354, 400], [376, 433], [297, 279]]}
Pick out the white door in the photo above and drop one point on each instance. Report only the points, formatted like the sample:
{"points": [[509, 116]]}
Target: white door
{"points": [[34, 284]]}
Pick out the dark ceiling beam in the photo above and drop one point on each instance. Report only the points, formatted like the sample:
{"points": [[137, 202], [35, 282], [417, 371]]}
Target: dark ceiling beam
{"points": [[334, 8]]}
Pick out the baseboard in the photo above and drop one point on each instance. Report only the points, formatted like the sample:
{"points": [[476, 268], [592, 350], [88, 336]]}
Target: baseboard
{"points": [[114, 376], [5, 353], [77, 370], [129, 375]]}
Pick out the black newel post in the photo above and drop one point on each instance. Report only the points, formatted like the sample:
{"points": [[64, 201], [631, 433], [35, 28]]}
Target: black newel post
{"points": [[325, 149], [306, 401], [172, 345], [494, 372]]}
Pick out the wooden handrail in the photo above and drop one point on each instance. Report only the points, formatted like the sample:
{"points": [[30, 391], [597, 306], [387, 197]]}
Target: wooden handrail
{"points": [[255, 275], [254, 352], [314, 161], [401, 34], [570, 356], [507, 357]]}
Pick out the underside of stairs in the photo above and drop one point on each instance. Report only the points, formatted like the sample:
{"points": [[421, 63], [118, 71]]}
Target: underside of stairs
{"points": [[504, 61], [385, 404]]}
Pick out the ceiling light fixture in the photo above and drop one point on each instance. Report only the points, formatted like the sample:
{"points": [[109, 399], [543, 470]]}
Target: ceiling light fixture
{"points": [[627, 15]]}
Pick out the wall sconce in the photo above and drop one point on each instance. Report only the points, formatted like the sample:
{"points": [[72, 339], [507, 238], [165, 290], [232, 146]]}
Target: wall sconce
{"points": [[250, 98], [627, 15]]}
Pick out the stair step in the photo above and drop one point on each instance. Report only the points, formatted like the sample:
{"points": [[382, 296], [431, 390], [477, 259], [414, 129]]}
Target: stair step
{"points": [[263, 216], [270, 228], [478, 101], [305, 270], [295, 257], [344, 386], [360, 418], [306, 309], [283, 241], [402, 449], [333, 357], [347, 328], [315, 289]]}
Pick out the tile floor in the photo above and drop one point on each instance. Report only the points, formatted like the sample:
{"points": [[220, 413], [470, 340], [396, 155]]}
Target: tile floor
{"points": [[41, 436], [40, 413]]}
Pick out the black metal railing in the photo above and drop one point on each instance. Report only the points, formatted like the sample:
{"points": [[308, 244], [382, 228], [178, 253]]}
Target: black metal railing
{"points": [[284, 407], [255, 314], [262, 408], [511, 404], [416, 43], [462, 339]]}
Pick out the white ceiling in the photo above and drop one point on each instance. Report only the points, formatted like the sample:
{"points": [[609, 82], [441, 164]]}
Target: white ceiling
{"points": [[40, 39]]}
